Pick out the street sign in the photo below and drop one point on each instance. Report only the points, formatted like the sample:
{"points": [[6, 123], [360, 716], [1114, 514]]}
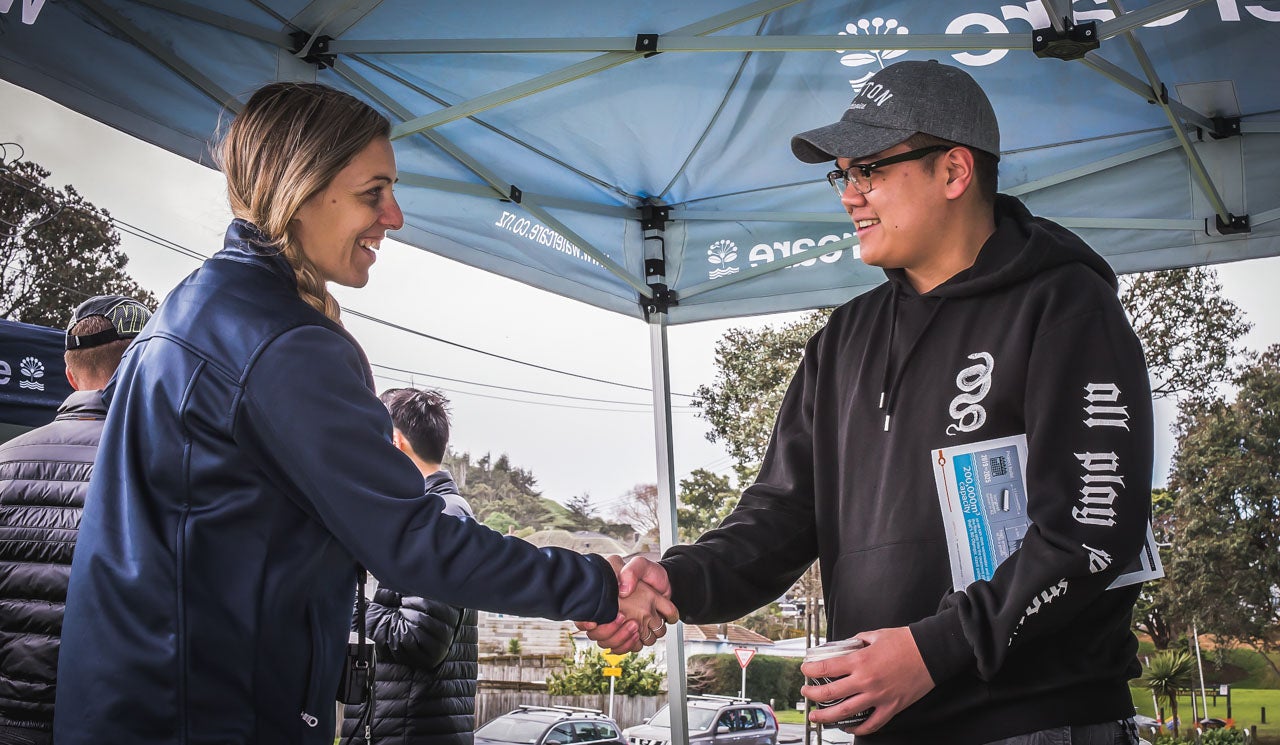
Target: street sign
{"points": [[613, 672], [744, 656]]}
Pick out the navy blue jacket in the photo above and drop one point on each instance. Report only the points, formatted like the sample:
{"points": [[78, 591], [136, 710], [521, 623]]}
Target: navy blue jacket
{"points": [[245, 468]]}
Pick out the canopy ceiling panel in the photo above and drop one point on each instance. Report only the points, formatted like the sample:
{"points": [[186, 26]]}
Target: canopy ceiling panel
{"points": [[540, 140]]}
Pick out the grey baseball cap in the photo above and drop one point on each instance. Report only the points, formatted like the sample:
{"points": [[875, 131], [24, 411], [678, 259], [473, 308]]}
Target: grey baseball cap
{"points": [[900, 100]]}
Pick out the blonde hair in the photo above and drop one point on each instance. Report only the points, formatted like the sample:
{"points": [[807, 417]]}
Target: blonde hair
{"points": [[285, 146]]}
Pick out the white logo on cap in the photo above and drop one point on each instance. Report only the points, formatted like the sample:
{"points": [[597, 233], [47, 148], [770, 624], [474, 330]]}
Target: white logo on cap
{"points": [[875, 26], [31, 368], [722, 252]]}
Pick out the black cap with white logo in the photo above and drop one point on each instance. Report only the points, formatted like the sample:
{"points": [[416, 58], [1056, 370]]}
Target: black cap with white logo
{"points": [[126, 315], [900, 100]]}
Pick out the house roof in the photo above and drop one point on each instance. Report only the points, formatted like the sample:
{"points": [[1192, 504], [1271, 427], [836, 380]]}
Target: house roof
{"points": [[732, 633]]}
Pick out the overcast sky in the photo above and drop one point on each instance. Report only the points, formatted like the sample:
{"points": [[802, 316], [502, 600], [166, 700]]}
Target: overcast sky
{"points": [[603, 446]]}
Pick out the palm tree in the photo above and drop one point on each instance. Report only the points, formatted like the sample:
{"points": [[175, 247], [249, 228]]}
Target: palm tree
{"points": [[1166, 673]]}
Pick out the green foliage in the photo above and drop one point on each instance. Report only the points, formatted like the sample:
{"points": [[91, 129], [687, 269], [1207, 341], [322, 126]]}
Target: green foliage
{"points": [[513, 646], [1225, 484], [56, 250], [768, 678], [706, 499], [504, 496], [585, 676], [1165, 674], [500, 521], [1225, 736], [770, 623], [753, 369], [1189, 331]]}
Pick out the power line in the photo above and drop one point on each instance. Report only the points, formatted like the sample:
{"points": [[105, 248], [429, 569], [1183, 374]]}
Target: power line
{"points": [[525, 401], [536, 366], [517, 390], [178, 248]]}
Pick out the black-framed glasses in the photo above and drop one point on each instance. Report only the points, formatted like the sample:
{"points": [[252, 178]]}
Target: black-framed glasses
{"points": [[859, 174]]}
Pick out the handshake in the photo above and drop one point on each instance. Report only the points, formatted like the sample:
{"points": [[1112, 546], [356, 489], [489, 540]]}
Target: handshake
{"points": [[644, 608]]}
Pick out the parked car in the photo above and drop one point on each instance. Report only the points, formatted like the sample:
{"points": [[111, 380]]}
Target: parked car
{"points": [[713, 720], [551, 725]]}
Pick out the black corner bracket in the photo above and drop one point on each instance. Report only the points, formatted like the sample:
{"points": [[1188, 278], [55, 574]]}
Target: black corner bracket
{"points": [[655, 267], [318, 54], [647, 43], [1233, 225], [515, 195], [1225, 126], [1075, 41], [661, 301], [654, 217]]}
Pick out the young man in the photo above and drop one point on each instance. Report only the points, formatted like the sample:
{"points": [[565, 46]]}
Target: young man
{"points": [[44, 475], [992, 324], [425, 678]]}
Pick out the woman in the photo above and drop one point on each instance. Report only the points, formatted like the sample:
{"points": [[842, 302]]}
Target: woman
{"points": [[246, 468]]}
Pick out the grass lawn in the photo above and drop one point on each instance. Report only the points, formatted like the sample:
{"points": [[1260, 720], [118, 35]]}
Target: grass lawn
{"points": [[1246, 709], [790, 716]]}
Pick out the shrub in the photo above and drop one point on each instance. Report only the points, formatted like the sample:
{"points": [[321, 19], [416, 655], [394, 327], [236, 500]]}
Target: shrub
{"points": [[768, 678]]}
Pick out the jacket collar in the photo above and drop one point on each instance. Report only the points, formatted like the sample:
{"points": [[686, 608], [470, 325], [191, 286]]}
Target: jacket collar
{"points": [[82, 404], [246, 243]]}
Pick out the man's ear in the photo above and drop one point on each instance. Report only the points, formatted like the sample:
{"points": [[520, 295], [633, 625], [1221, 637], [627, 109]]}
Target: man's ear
{"points": [[958, 162], [399, 441], [72, 380]]}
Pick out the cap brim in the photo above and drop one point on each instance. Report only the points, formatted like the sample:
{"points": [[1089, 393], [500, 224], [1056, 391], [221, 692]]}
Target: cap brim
{"points": [[844, 140]]}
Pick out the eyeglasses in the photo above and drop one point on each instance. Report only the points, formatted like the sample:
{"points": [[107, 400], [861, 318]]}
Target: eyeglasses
{"points": [[859, 174]]}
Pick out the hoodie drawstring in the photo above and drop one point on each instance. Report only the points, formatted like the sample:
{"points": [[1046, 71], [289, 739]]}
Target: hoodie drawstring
{"points": [[886, 402]]}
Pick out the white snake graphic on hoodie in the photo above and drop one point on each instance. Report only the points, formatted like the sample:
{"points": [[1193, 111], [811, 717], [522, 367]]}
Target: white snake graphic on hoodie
{"points": [[974, 381]]}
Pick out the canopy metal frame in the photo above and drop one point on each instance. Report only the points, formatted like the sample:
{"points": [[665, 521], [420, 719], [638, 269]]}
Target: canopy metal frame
{"points": [[324, 24]]}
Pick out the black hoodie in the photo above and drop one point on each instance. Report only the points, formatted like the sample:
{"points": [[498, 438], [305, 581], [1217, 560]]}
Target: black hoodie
{"points": [[1029, 340]]}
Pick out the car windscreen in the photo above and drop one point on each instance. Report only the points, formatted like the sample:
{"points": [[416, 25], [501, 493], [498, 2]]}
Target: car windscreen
{"points": [[510, 729], [699, 719]]}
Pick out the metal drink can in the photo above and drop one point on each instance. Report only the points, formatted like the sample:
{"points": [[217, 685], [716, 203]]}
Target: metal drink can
{"points": [[825, 652]]}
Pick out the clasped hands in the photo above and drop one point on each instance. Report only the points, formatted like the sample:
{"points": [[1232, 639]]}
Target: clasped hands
{"points": [[887, 675], [644, 608]]}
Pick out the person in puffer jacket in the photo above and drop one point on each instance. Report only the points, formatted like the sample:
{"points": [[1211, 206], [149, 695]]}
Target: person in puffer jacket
{"points": [[44, 475], [425, 678], [246, 469]]}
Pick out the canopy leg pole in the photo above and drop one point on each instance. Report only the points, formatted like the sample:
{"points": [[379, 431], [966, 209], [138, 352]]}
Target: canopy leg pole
{"points": [[667, 527]]}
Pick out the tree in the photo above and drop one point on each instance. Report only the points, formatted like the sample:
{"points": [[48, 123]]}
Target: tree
{"points": [[585, 675], [770, 623], [706, 499], [56, 250], [753, 368], [1189, 331], [1225, 484], [496, 486], [1167, 673], [581, 511], [640, 508]]}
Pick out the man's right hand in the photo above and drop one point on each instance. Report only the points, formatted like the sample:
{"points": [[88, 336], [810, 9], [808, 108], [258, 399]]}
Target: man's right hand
{"points": [[631, 632]]}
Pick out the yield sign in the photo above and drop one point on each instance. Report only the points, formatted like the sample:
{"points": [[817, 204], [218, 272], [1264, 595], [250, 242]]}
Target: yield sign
{"points": [[744, 656]]}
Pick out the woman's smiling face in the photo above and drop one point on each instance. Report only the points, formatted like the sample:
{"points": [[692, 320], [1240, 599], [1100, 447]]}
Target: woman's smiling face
{"points": [[341, 226]]}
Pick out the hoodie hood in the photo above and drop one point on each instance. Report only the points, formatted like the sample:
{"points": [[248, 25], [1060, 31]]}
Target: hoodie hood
{"points": [[1021, 246]]}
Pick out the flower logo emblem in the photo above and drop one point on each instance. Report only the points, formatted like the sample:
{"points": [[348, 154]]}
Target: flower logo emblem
{"points": [[873, 27], [721, 253], [31, 368]]}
